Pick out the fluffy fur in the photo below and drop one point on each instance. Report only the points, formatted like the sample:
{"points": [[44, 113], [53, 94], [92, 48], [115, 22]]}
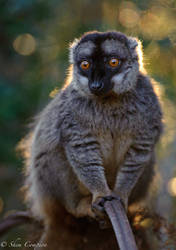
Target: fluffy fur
{"points": [[84, 146]]}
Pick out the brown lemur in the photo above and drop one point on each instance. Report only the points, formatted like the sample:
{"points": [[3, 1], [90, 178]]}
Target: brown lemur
{"points": [[96, 139]]}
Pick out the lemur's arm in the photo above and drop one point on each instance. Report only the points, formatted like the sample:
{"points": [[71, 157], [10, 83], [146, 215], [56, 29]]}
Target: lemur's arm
{"points": [[84, 155], [137, 158]]}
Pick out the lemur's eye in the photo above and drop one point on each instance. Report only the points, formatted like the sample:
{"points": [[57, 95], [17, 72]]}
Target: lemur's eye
{"points": [[85, 64], [114, 62]]}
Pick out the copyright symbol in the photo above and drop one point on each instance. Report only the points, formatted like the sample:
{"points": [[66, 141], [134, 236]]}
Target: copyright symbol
{"points": [[3, 244]]}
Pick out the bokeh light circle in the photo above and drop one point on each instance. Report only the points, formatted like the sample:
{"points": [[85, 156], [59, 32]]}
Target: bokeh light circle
{"points": [[24, 44]]}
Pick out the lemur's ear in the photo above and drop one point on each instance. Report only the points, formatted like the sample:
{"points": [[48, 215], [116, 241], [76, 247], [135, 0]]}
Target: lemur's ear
{"points": [[72, 47], [135, 47], [133, 42]]}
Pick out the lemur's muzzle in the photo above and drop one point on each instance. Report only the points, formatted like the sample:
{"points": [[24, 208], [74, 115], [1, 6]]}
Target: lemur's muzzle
{"points": [[100, 88], [95, 87]]}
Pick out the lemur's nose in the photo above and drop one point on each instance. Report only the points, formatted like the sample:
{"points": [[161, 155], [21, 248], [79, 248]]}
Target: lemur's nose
{"points": [[96, 86]]}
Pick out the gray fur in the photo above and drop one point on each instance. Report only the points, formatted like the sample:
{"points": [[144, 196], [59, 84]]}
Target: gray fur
{"points": [[85, 49], [88, 146], [111, 46], [81, 83]]}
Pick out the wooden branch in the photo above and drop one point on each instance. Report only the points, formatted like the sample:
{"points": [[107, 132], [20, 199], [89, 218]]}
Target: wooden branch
{"points": [[17, 218], [121, 226]]}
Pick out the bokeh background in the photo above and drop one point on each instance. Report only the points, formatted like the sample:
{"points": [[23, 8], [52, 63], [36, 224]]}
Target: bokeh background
{"points": [[34, 39]]}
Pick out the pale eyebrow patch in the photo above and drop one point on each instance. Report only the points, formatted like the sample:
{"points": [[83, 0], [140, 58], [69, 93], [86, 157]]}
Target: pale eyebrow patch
{"points": [[111, 46], [86, 49]]}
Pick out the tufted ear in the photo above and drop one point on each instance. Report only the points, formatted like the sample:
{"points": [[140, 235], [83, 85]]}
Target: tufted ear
{"points": [[133, 42], [135, 46], [72, 50]]}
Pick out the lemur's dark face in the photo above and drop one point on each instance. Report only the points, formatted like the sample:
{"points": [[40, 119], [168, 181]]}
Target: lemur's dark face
{"points": [[104, 63]]}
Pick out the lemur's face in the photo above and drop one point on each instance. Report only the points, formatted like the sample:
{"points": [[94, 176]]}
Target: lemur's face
{"points": [[104, 63]]}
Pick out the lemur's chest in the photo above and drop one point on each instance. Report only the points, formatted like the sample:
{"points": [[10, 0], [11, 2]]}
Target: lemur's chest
{"points": [[113, 146], [113, 150]]}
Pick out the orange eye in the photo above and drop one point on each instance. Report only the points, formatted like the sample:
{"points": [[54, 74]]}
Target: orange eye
{"points": [[114, 62], [85, 65]]}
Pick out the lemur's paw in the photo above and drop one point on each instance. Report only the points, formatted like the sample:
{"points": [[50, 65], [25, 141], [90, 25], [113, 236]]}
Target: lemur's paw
{"points": [[98, 204]]}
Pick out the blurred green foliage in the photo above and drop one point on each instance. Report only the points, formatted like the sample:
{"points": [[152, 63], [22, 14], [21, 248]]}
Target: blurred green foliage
{"points": [[32, 65]]}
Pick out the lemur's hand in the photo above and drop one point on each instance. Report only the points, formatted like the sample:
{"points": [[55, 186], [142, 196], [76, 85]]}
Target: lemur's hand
{"points": [[98, 203]]}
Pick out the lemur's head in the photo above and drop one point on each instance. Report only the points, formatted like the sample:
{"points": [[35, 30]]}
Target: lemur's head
{"points": [[105, 62]]}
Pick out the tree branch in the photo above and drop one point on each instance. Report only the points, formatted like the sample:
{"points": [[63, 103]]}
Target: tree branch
{"points": [[121, 226], [17, 218]]}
